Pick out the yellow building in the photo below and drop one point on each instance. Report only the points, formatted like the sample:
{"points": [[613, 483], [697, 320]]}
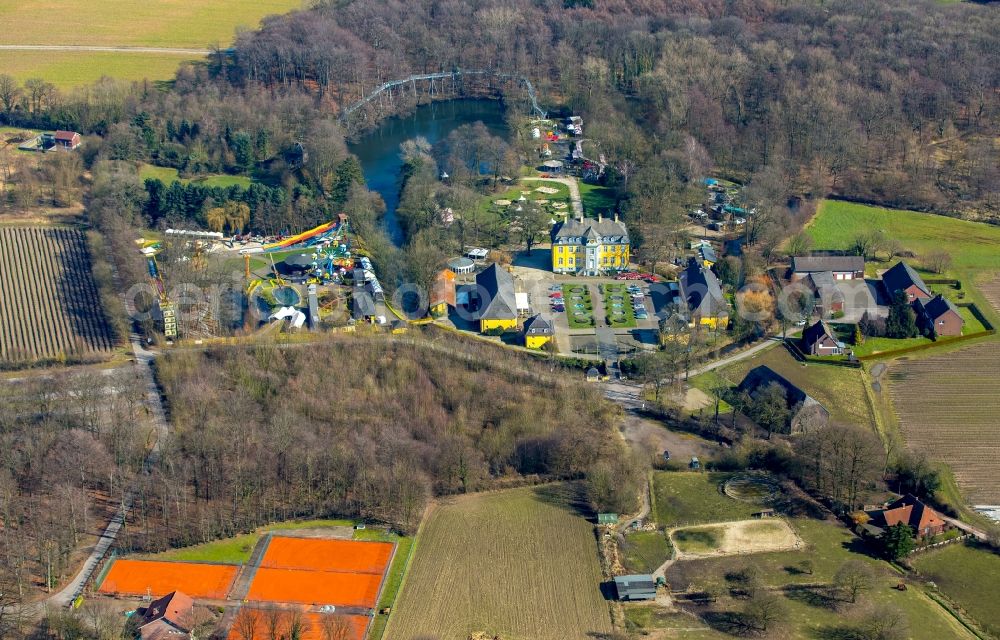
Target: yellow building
{"points": [[492, 301], [590, 247], [537, 332]]}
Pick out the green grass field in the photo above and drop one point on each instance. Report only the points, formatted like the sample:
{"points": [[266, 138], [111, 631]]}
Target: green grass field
{"points": [[237, 550], [190, 24], [596, 199], [166, 175], [161, 23], [801, 578], [644, 551], [698, 539], [952, 569], [520, 563], [839, 389], [69, 69], [973, 245], [694, 498]]}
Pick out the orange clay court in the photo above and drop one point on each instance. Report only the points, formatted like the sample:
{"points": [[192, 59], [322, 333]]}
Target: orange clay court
{"points": [[316, 626], [350, 556], [139, 577], [315, 587]]}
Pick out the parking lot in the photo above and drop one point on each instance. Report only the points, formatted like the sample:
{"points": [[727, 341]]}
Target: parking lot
{"points": [[559, 296]]}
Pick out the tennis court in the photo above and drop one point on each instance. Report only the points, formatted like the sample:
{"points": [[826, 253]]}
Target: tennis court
{"points": [[150, 577], [350, 556], [315, 587]]}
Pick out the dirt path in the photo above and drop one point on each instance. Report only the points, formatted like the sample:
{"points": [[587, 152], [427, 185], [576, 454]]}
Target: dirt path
{"points": [[73, 47]]}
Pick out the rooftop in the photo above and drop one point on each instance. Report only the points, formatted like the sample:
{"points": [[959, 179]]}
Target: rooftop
{"points": [[810, 264]]}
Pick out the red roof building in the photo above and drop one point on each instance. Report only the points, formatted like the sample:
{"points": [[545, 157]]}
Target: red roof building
{"points": [[168, 618], [67, 139], [925, 522]]}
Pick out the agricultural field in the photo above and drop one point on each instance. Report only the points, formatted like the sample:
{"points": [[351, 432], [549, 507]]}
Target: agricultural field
{"points": [[520, 563], [194, 25], [951, 568], [946, 406], [839, 389], [50, 307]]}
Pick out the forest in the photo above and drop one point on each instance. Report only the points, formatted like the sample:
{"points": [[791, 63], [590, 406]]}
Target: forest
{"points": [[875, 101]]}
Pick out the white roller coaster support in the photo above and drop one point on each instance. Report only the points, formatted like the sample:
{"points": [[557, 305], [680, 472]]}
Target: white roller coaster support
{"points": [[438, 76]]}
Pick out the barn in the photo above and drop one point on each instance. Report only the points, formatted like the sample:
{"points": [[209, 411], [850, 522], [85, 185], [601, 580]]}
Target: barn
{"points": [[635, 587]]}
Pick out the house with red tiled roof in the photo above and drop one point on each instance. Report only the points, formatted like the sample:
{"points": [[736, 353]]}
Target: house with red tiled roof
{"points": [[925, 522], [168, 618]]}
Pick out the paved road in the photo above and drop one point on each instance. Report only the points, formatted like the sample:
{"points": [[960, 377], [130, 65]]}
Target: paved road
{"points": [[144, 365], [736, 357], [73, 47]]}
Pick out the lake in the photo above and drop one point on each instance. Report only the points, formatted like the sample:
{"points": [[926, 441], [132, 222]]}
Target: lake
{"points": [[378, 151]]}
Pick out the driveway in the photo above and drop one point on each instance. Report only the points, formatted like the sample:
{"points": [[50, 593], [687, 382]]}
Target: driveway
{"points": [[860, 296]]}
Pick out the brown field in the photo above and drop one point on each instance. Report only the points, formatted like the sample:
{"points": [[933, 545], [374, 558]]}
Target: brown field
{"points": [[301, 586], [252, 623], [518, 564], [349, 556], [947, 407], [49, 304], [148, 577]]}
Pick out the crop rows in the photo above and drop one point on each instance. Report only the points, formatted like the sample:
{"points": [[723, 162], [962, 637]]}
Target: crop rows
{"points": [[947, 410], [49, 305]]}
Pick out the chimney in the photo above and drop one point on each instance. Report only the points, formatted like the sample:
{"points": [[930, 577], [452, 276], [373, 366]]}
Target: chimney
{"points": [[616, 216], [600, 218]]}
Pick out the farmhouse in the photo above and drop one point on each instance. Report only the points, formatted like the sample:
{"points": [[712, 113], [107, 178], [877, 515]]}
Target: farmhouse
{"points": [[806, 413], [925, 522], [537, 332], [590, 247], [635, 587], [902, 277], [829, 297], [939, 315], [492, 302], [701, 291], [840, 267], [819, 340], [168, 618]]}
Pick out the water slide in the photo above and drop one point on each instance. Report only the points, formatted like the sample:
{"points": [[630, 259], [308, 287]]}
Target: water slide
{"points": [[302, 238]]}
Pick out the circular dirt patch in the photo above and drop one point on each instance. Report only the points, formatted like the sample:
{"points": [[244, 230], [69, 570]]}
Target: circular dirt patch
{"points": [[753, 489]]}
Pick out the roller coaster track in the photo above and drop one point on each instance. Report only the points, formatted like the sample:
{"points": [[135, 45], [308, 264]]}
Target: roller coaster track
{"points": [[442, 76]]}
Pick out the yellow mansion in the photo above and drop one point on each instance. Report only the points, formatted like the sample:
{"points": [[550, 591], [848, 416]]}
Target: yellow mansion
{"points": [[590, 247]]}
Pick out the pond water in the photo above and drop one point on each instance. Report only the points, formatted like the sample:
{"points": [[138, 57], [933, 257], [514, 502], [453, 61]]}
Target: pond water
{"points": [[378, 151]]}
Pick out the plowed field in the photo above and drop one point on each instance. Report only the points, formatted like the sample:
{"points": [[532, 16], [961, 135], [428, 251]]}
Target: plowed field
{"points": [[142, 577], [49, 305], [947, 408]]}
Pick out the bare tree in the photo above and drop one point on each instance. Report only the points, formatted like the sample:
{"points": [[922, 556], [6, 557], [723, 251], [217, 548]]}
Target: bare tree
{"points": [[854, 578]]}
